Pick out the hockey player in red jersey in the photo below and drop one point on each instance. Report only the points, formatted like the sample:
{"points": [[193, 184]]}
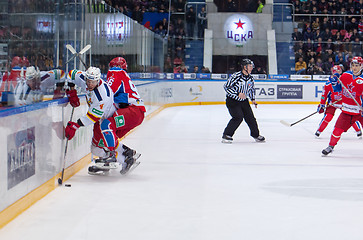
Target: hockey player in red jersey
{"points": [[126, 96], [350, 84], [330, 101], [10, 80]]}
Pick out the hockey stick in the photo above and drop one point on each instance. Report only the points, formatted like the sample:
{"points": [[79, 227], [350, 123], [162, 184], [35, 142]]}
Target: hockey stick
{"points": [[60, 180], [78, 54], [292, 124]]}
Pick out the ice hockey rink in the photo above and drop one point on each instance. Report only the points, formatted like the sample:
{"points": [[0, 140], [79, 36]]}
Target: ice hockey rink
{"points": [[191, 186]]}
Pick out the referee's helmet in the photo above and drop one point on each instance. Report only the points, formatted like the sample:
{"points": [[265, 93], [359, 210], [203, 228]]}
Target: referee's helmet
{"points": [[246, 62]]}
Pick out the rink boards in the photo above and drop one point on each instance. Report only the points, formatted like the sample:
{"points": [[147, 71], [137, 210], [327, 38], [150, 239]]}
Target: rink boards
{"points": [[33, 146]]}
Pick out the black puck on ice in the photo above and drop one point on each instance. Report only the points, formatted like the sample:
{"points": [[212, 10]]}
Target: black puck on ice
{"points": [[68, 185]]}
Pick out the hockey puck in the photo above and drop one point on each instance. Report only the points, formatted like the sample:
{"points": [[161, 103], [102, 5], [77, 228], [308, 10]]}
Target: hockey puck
{"points": [[68, 185]]}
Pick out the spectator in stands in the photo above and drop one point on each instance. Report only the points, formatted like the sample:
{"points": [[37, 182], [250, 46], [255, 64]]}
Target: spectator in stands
{"points": [[323, 4], [356, 34], [310, 67], [167, 65], [160, 30], [196, 69], [179, 6], [326, 35], [190, 19], [163, 23], [137, 14], [308, 46], [179, 24], [313, 4], [325, 24], [202, 22], [351, 25], [231, 6], [360, 25], [296, 35], [339, 59], [327, 65], [300, 66], [316, 24], [299, 54], [183, 68], [356, 47], [328, 54], [205, 70], [318, 47], [329, 45], [318, 71], [309, 54], [348, 35], [317, 35], [308, 34], [179, 46], [259, 6]]}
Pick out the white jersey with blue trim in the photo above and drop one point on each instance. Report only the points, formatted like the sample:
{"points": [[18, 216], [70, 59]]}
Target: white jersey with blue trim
{"points": [[99, 100], [50, 78], [24, 95]]}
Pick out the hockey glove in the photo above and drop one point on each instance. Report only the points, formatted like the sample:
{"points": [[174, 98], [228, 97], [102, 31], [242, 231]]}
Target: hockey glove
{"points": [[73, 98], [58, 94], [334, 79], [71, 130], [321, 108]]}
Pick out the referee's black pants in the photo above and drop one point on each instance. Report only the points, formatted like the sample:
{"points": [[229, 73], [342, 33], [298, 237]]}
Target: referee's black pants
{"points": [[240, 110]]}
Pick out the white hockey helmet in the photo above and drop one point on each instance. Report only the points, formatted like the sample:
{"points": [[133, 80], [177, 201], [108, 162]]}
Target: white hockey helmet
{"points": [[32, 73], [93, 73]]}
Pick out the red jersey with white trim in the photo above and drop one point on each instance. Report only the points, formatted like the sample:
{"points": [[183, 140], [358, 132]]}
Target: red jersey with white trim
{"points": [[99, 100], [10, 81], [329, 96], [124, 89], [355, 86]]}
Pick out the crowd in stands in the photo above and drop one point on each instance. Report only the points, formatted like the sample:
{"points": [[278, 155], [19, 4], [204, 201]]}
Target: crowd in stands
{"points": [[332, 38], [187, 22]]}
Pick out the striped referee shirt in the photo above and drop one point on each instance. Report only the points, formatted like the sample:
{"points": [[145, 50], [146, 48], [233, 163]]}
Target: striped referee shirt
{"points": [[240, 83]]}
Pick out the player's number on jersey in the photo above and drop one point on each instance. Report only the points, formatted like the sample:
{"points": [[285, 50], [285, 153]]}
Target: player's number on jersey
{"points": [[135, 93]]}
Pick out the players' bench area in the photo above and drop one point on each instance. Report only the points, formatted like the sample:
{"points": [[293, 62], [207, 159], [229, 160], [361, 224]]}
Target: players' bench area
{"points": [[33, 145]]}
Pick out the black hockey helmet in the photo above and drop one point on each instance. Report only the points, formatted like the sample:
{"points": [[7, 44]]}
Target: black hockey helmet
{"points": [[246, 62]]}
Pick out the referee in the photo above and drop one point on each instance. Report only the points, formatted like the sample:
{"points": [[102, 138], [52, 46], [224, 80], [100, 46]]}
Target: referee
{"points": [[239, 87]]}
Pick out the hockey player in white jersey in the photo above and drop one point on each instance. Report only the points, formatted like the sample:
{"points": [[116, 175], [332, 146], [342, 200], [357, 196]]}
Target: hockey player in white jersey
{"points": [[27, 90], [105, 144]]}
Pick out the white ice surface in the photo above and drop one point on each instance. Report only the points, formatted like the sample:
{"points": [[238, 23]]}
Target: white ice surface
{"points": [[190, 186]]}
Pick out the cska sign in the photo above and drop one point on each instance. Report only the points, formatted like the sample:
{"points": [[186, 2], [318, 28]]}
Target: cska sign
{"points": [[238, 29]]}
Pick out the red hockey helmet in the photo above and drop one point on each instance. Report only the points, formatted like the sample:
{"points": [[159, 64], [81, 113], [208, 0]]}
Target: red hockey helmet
{"points": [[16, 62], [357, 60], [25, 62], [336, 69], [118, 62]]}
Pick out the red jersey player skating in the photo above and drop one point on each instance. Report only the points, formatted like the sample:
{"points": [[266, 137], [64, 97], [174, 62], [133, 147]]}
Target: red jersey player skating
{"points": [[331, 101], [351, 86]]}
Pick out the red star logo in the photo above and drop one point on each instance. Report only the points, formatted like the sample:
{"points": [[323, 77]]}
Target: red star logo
{"points": [[239, 24], [350, 87]]}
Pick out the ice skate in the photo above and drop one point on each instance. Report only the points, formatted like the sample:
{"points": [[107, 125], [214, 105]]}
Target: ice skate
{"points": [[130, 160], [317, 134], [260, 139], [227, 139], [95, 170], [359, 134], [327, 150], [103, 165], [130, 152]]}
